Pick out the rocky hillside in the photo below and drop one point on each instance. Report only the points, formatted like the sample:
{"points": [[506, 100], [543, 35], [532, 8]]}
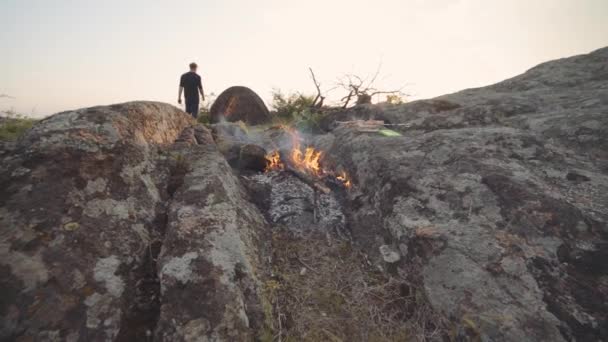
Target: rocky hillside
{"points": [[487, 219]]}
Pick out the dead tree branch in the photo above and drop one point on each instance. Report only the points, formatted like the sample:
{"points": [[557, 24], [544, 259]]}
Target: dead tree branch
{"points": [[318, 101], [363, 89]]}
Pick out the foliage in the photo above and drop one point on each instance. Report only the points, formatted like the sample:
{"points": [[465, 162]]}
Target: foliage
{"points": [[13, 125], [204, 113], [296, 109], [204, 117], [394, 99], [288, 106]]}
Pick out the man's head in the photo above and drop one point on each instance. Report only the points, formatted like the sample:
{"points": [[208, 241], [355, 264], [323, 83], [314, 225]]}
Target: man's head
{"points": [[193, 66]]}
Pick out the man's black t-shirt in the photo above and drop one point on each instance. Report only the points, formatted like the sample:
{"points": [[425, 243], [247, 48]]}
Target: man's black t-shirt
{"points": [[191, 83]]}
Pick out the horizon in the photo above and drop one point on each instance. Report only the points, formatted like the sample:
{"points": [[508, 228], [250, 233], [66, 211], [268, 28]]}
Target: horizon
{"points": [[68, 55]]}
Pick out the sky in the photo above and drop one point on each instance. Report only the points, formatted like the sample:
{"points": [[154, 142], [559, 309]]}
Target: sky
{"points": [[58, 55]]}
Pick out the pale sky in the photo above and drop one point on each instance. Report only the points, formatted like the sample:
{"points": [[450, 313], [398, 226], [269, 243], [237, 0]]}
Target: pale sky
{"points": [[58, 55]]}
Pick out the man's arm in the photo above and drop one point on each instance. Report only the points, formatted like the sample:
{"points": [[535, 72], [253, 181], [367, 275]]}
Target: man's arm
{"points": [[181, 89], [200, 89]]}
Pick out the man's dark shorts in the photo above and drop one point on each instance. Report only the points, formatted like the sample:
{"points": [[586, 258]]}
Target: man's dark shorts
{"points": [[192, 107]]}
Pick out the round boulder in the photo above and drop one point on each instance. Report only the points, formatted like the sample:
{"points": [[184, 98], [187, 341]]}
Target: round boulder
{"points": [[239, 104]]}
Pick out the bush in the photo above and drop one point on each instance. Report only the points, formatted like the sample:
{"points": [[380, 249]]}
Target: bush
{"points": [[288, 106], [295, 110], [13, 125], [204, 117], [394, 99], [204, 114]]}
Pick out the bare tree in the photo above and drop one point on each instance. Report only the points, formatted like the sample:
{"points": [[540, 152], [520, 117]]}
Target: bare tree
{"points": [[360, 89], [363, 89]]}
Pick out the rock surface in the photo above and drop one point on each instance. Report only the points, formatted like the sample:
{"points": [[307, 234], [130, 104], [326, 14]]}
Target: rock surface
{"points": [[90, 198], [486, 220], [500, 196]]}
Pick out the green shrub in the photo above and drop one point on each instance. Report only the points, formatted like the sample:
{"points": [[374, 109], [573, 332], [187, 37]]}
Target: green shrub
{"points": [[296, 110], [288, 106], [204, 113], [14, 125], [394, 99], [204, 117]]}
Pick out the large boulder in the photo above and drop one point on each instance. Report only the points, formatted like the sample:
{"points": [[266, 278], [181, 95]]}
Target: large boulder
{"points": [[239, 104], [122, 223], [498, 203]]}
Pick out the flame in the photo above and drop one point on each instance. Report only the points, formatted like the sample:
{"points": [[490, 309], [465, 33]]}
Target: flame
{"points": [[307, 160], [274, 161], [343, 177]]}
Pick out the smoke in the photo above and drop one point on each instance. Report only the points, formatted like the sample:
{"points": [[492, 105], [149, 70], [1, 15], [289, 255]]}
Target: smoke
{"points": [[275, 138]]}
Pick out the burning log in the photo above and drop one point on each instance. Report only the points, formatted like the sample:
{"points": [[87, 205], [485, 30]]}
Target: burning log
{"points": [[278, 161], [305, 164], [312, 182]]}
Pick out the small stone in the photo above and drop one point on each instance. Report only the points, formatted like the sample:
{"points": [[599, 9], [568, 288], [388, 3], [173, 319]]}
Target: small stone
{"points": [[71, 226], [389, 255], [303, 271]]}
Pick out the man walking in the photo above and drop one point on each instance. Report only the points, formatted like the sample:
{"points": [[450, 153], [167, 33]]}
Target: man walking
{"points": [[190, 84]]}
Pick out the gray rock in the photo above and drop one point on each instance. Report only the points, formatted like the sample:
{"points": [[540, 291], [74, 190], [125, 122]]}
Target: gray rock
{"points": [[479, 194], [209, 261], [388, 254], [91, 197], [77, 226]]}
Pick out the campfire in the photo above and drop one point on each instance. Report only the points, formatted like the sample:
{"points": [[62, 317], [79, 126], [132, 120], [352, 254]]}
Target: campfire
{"points": [[305, 162]]}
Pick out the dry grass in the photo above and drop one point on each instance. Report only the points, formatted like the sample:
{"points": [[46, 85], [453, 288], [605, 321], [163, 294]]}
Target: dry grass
{"points": [[324, 290], [12, 128]]}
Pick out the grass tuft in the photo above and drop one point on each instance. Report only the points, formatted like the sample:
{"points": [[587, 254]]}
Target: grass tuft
{"points": [[11, 128]]}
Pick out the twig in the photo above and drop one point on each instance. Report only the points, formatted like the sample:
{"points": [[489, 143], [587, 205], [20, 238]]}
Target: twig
{"points": [[306, 265], [318, 86], [280, 324]]}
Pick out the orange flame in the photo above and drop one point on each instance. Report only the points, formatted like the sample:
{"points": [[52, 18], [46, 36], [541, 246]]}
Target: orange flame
{"points": [[307, 160], [274, 161], [343, 177]]}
